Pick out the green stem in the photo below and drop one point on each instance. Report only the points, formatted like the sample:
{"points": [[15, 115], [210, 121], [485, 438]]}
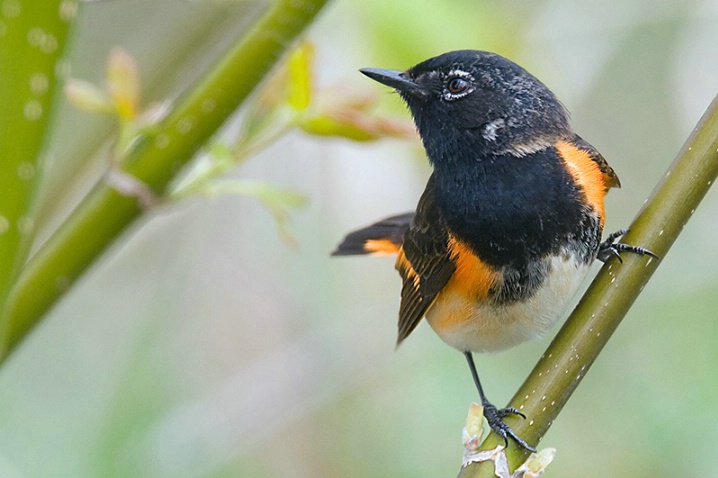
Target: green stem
{"points": [[34, 39], [581, 339], [105, 214]]}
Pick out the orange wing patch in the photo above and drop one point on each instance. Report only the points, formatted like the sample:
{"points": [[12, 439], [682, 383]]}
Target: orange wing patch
{"points": [[471, 284], [472, 278], [587, 173]]}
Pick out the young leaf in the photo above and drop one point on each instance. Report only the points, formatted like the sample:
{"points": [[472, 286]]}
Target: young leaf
{"points": [[300, 67], [123, 81], [87, 97], [357, 125]]}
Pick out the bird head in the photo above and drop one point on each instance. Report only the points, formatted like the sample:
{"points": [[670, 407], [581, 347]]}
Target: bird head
{"points": [[477, 104]]}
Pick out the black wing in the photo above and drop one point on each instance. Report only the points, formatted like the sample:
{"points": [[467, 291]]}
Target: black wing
{"points": [[425, 262]]}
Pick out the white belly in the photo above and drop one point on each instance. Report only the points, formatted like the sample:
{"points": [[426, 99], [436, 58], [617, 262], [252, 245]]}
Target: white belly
{"points": [[487, 327]]}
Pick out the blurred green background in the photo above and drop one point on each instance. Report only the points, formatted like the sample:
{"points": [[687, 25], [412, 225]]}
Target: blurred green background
{"points": [[201, 345]]}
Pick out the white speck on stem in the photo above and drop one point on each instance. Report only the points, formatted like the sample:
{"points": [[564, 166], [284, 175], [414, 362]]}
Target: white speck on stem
{"points": [[162, 141], [49, 45], [62, 69], [68, 10], [208, 105], [11, 8], [39, 84], [185, 125], [36, 36], [32, 110], [26, 170], [25, 225], [531, 422]]}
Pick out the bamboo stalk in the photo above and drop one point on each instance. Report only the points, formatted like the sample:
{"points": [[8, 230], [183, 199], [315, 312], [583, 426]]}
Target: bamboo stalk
{"points": [[34, 39]]}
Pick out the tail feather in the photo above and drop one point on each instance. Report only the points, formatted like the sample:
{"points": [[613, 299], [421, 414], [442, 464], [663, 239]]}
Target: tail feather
{"points": [[381, 238]]}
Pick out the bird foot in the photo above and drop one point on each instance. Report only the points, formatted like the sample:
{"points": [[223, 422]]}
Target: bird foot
{"points": [[494, 417], [610, 248]]}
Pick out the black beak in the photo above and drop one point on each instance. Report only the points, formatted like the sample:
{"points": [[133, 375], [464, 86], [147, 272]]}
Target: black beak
{"points": [[395, 79]]}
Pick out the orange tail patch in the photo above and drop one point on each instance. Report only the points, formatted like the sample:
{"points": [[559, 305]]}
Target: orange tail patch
{"points": [[381, 247], [382, 238]]}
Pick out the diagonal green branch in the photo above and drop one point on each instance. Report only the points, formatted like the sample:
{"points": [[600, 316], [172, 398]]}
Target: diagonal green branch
{"points": [[34, 39], [105, 213], [581, 339]]}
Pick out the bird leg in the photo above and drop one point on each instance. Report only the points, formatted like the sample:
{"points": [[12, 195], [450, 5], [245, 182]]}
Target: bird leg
{"points": [[494, 415]]}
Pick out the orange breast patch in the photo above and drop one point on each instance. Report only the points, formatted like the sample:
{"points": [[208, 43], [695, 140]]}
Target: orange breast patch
{"points": [[587, 174]]}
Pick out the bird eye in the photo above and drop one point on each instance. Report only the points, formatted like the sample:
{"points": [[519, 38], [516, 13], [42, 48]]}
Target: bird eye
{"points": [[457, 85]]}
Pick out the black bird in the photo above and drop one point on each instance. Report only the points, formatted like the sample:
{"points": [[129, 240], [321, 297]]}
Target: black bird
{"points": [[511, 218]]}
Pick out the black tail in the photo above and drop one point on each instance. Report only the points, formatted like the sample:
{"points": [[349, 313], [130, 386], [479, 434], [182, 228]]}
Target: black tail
{"points": [[383, 237]]}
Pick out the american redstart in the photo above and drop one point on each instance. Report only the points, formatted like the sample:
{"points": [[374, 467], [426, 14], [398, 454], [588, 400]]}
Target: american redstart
{"points": [[511, 218]]}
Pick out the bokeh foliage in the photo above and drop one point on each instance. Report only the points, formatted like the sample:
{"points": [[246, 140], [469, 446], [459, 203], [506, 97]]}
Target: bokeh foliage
{"points": [[202, 345]]}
